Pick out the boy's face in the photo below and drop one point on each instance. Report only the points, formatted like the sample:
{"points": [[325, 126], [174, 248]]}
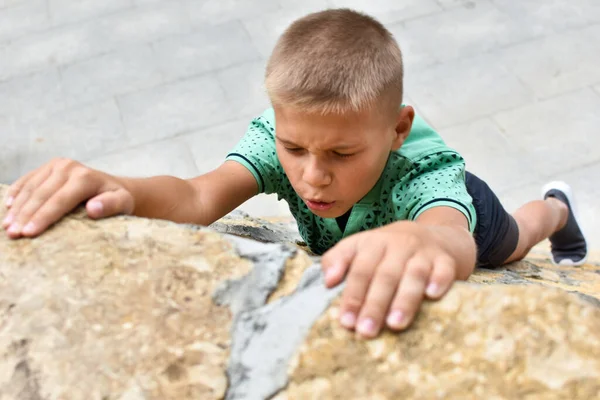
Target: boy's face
{"points": [[333, 161]]}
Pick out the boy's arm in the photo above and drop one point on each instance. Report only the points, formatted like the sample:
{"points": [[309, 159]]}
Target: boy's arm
{"points": [[201, 200], [43, 196], [390, 270]]}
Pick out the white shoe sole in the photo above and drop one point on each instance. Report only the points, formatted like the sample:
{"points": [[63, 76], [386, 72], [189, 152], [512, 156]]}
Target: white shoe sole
{"points": [[566, 189]]}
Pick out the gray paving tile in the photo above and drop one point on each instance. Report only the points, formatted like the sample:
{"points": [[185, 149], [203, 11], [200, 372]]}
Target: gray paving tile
{"points": [[180, 107], [69, 11], [244, 87], [460, 91], [203, 13], [11, 151], [268, 28], [389, 11], [463, 32], [78, 133], [552, 15], [449, 4], [414, 56], [558, 134], [127, 70], [145, 23], [32, 95], [557, 63], [166, 157], [210, 48], [209, 146], [50, 48], [489, 155], [23, 18]]}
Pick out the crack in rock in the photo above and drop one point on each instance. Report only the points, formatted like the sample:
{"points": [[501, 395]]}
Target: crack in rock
{"points": [[265, 339]]}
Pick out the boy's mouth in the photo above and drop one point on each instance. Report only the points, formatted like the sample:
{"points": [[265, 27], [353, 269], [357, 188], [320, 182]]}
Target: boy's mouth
{"points": [[319, 205]]}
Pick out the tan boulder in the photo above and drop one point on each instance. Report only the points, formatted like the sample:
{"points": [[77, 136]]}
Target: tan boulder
{"points": [[129, 308]]}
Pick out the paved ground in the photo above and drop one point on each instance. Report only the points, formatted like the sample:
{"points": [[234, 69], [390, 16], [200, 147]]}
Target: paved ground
{"points": [[144, 87]]}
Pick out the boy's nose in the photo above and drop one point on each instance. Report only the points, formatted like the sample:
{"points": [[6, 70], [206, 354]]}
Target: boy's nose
{"points": [[316, 175]]}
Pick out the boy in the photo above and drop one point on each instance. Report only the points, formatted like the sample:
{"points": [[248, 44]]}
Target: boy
{"points": [[371, 186]]}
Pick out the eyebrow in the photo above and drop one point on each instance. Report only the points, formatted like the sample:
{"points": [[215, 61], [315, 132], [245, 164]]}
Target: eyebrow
{"points": [[339, 147]]}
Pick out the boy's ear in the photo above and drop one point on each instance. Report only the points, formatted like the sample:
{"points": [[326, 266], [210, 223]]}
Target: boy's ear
{"points": [[404, 122]]}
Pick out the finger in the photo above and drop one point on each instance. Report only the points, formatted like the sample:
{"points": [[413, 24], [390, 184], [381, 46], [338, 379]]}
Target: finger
{"points": [[410, 293], [22, 222], [381, 293], [337, 260], [15, 188], [24, 194], [110, 203], [359, 278], [441, 278]]}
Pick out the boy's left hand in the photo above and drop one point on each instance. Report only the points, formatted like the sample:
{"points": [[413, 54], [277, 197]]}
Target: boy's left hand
{"points": [[390, 270]]}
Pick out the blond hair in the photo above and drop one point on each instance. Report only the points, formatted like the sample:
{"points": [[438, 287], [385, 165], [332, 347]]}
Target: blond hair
{"points": [[335, 61]]}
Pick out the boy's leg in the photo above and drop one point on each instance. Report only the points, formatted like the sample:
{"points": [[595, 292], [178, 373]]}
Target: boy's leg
{"points": [[551, 218]]}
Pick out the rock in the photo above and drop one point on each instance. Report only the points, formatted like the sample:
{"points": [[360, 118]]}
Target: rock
{"points": [[128, 308]]}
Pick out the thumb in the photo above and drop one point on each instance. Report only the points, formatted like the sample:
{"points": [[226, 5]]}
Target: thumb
{"points": [[337, 260], [110, 203]]}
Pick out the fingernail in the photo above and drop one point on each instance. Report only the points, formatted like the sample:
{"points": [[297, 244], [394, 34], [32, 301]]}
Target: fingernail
{"points": [[395, 319], [348, 320], [95, 206], [8, 220], [366, 326], [14, 228], [29, 228], [432, 290], [9, 201], [330, 272]]}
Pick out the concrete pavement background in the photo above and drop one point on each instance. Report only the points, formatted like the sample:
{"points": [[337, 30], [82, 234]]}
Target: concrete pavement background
{"points": [[146, 87]]}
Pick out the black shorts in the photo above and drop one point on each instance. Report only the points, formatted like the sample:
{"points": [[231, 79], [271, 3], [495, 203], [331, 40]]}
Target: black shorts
{"points": [[496, 232]]}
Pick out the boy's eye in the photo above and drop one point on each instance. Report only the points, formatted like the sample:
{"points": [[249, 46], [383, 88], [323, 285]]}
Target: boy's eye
{"points": [[293, 149], [343, 155]]}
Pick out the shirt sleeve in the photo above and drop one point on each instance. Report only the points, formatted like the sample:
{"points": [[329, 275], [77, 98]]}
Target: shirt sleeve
{"points": [[256, 151], [435, 180]]}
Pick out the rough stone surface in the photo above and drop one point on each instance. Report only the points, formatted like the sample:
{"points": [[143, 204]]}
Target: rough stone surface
{"points": [[130, 309]]}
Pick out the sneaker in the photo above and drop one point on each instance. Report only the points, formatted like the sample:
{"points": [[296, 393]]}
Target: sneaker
{"points": [[568, 246]]}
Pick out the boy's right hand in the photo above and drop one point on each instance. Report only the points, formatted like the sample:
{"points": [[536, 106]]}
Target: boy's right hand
{"points": [[43, 196]]}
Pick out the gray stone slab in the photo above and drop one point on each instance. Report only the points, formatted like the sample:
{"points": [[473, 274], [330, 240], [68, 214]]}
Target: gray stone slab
{"points": [[450, 4], [145, 23], [463, 32], [78, 133], [390, 11], [69, 11], [558, 134], [11, 146], [32, 96], [126, 70], [203, 13], [557, 63], [176, 108], [268, 28], [553, 15], [53, 47], [489, 155], [210, 146], [211, 48], [244, 87], [166, 157], [460, 91], [414, 56], [23, 18]]}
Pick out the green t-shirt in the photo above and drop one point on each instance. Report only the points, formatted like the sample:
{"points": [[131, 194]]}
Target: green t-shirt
{"points": [[422, 174]]}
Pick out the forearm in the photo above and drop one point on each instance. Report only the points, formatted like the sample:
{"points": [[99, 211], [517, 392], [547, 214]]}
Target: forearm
{"points": [[165, 197]]}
